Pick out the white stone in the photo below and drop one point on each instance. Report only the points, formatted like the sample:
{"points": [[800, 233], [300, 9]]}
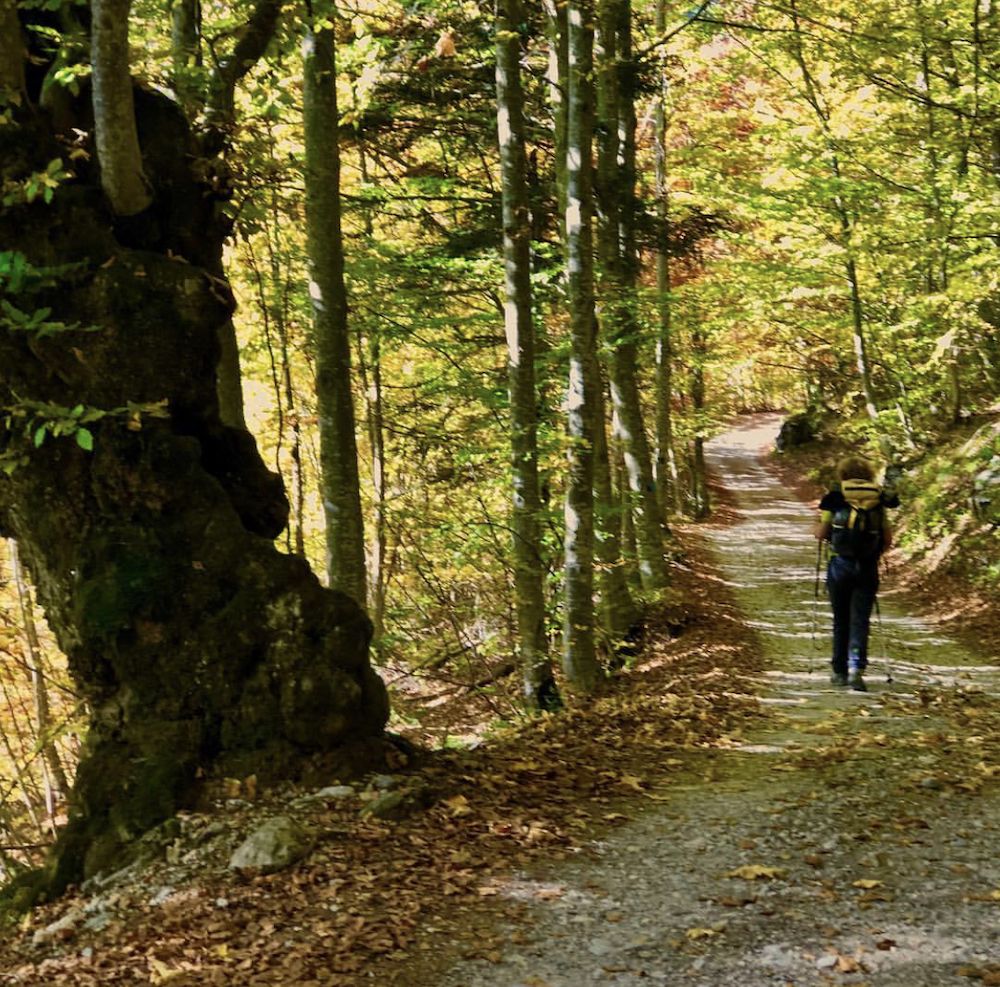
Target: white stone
{"points": [[271, 847]]}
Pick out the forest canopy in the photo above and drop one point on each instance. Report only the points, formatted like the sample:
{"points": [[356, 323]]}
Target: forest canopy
{"points": [[437, 303]]}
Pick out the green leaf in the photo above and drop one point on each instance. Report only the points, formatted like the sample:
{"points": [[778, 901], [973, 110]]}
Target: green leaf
{"points": [[40, 435], [85, 439]]}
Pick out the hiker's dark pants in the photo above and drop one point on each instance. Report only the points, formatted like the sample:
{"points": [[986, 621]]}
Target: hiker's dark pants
{"points": [[851, 586]]}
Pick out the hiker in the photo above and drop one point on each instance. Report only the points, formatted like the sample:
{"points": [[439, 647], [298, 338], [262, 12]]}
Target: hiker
{"points": [[853, 520]]}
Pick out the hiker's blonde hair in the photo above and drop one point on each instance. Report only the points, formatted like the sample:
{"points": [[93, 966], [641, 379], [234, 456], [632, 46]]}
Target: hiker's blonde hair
{"points": [[855, 468]]}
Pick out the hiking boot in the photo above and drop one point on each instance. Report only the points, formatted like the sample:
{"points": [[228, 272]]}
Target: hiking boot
{"points": [[857, 682], [838, 678]]}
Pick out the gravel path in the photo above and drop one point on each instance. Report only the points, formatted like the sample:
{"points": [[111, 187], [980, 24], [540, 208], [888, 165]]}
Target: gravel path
{"points": [[852, 840]]}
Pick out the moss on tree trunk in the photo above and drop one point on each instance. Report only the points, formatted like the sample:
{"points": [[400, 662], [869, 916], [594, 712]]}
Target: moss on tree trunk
{"points": [[201, 648]]}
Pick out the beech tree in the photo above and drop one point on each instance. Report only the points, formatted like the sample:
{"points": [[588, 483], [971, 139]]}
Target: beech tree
{"points": [[579, 655], [618, 263], [335, 401], [668, 487], [539, 685], [147, 524]]}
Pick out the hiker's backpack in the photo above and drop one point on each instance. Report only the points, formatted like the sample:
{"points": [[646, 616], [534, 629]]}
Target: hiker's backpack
{"points": [[856, 531]]}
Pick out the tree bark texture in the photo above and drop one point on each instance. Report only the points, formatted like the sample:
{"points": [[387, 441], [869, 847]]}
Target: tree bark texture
{"points": [[116, 134], [12, 53], [220, 111], [579, 655], [620, 612], [185, 50], [616, 244], [345, 536], [668, 486], [699, 472], [200, 648], [536, 669], [380, 483], [557, 74], [56, 776]]}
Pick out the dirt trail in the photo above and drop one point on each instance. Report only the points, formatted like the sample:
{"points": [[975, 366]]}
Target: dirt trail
{"points": [[865, 824]]}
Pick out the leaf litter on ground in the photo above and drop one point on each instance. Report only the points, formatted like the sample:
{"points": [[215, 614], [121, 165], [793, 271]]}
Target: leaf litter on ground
{"points": [[378, 892]]}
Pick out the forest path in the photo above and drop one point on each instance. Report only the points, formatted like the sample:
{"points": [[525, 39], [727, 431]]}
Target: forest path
{"points": [[865, 824]]}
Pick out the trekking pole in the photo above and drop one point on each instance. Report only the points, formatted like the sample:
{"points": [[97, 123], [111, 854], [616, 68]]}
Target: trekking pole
{"points": [[882, 638]]}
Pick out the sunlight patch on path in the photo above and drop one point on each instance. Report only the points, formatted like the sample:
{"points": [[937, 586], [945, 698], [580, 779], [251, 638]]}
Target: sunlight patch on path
{"points": [[768, 558], [878, 854]]}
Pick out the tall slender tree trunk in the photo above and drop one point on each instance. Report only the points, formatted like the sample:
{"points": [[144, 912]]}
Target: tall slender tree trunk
{"points": [[616, 253], [668, 485], [286, 386], [579, 654], [185, 49], [57, 784], [376, 430], [117, 137], [339, 484], [699, 474], [630, 549], [375, 415], [858, 327], [12, 53], [536, 669], [557, 75], [620, 612]]}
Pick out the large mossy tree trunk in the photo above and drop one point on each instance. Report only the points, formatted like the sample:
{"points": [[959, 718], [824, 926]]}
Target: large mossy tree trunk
{"points": [[201, 649]]}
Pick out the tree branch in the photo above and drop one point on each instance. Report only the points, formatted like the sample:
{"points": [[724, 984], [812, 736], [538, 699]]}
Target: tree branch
{"points": [[250, 48], [687, 22]]}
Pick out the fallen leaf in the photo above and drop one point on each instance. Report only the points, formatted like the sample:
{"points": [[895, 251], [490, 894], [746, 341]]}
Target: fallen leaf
{"points": [[549, 894], [757, 872], [701, 933], [867, 883], [445, 47], [631, 781], [727, 901], [458, 805]]}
